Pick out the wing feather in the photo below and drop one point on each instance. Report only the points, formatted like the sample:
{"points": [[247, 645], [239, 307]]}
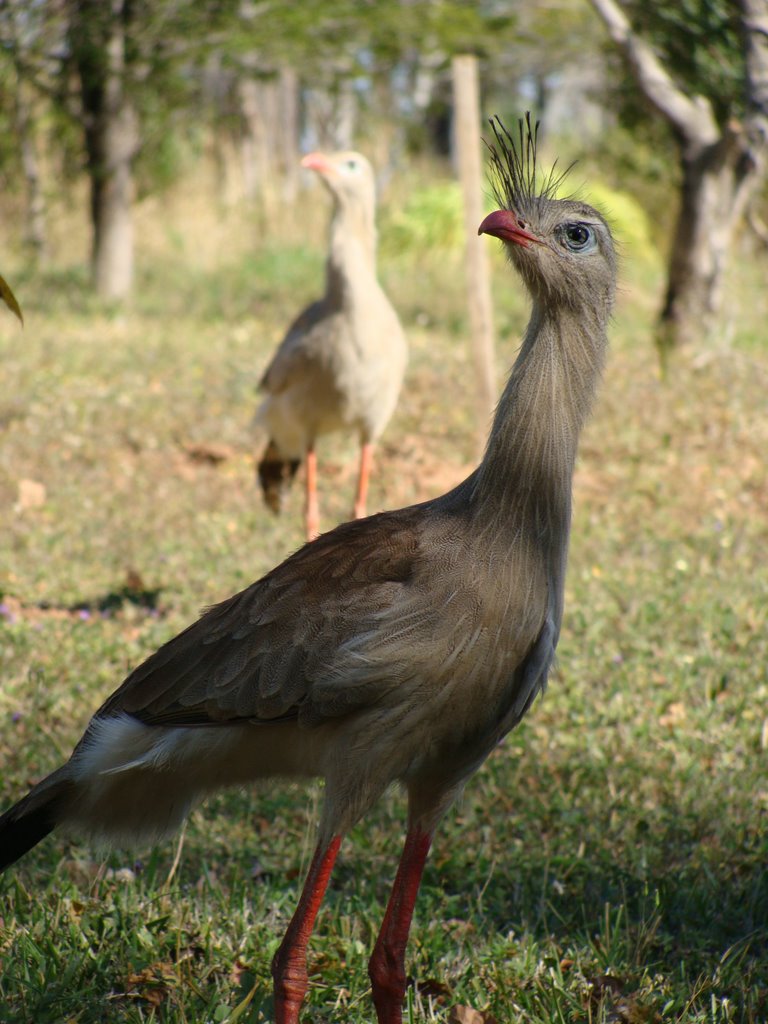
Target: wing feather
{"points": [[257, 655]]}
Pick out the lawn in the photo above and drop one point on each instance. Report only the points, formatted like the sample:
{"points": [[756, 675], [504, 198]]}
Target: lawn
{"points": [[606, 864]]}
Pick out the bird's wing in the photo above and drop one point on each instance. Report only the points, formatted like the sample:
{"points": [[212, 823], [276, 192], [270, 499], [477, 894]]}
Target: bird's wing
{"points": [[306, 342], [258, 655]]}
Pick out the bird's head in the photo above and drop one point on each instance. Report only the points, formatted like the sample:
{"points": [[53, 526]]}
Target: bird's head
{"points": [[562, 248], [347, 175]]}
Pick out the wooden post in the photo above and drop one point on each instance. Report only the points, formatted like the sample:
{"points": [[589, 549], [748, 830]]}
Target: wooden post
{"points": [[466, 95]]}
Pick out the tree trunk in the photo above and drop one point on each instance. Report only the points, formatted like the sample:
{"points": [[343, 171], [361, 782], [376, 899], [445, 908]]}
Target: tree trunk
{"points": [[98, 40], [254, 145], [258, 103], [35, 228], [288, 131], [718, 181], [467, 141]]}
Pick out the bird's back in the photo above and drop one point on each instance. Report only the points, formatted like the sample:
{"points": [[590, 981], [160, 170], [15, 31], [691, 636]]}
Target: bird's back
{"points": [[340, 365]]}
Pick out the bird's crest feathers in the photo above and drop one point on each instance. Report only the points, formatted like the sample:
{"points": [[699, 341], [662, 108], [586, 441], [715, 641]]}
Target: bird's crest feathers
{"points": [[516, 178]]}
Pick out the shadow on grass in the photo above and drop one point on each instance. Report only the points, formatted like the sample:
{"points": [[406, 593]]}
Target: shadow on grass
{"points": [[683, 896], [105, 606]]}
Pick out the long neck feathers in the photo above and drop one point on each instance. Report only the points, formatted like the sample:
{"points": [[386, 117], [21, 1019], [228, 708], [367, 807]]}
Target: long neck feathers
{"points": [[524, 480], [352, 250]]}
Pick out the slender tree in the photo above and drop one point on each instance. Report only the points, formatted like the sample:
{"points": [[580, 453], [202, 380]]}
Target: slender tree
{"points": [[98, 34]]}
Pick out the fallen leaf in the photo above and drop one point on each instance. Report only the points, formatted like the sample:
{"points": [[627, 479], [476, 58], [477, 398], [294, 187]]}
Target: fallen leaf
{"points": [[213, 454], [606, 995], [607, 1000], [134, 580], [32, 494], [152, 983], [674, 715], [467, 1015], [603, 986], [239, 968], [432, 988]]}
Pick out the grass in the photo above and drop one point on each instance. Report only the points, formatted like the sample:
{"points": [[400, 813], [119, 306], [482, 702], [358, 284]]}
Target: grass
{"points": [[606, 864]]}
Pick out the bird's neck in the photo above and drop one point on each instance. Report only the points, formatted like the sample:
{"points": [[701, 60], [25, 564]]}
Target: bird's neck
{"points": [[524, 480], [351, 263]]}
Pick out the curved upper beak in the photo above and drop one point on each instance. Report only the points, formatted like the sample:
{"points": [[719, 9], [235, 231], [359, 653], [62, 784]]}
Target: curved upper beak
{"points": [[503, 224], [317, 162]]}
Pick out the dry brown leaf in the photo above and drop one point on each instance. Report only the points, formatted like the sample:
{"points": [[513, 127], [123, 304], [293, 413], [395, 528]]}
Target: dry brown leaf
{"points": [[467, 1015], [32, 494], [155, 996], [134, 579], [603, 986], [674, 715], [239, 968], [432, 988], [208, 452], [152, 983], [606, 993]]}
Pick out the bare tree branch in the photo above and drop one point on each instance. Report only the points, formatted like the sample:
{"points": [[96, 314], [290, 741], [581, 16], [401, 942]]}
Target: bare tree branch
{"points": [[691, 116]]}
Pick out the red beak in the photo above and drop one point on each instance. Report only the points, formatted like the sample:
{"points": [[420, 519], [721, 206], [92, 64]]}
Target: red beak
{"points": [[317, 162], [504, 225]]}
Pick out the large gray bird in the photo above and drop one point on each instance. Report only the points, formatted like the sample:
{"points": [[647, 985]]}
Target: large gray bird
{"points": [[398, 648], [341, 364]]}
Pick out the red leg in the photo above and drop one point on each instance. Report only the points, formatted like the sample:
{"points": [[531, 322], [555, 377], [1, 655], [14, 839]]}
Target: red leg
{"points": [[289, 965], [366, 461], [312, 511], [386, 968]]}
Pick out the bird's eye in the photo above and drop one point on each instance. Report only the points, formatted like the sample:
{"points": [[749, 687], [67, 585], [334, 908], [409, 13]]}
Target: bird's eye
{"points": [[578, 237], [352, 164]]}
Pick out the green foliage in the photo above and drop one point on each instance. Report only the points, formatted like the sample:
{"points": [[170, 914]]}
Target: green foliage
{"points": [[701, 42], [430, 221], [373, 36]]}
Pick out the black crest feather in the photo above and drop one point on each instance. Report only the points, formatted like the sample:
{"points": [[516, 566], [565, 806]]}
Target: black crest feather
{"points": [[516, 179]]}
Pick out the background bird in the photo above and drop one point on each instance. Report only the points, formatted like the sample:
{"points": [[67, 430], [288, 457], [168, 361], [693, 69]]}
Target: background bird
{"points": [[341, 364], [398, 648]]}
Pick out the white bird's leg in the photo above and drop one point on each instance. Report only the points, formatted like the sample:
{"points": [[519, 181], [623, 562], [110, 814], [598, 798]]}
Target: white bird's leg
{"points": [[366, 461], [312, 510], [386, 967], [289, 964]]}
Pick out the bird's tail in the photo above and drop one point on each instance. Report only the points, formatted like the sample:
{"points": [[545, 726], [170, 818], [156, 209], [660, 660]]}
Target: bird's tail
{"points": [[275, 474], [33, 817]]}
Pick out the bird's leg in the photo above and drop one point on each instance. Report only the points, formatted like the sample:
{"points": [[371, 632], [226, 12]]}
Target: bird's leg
{"points": [[366, 461], [289, 964], [386, 967], [312, 510]]}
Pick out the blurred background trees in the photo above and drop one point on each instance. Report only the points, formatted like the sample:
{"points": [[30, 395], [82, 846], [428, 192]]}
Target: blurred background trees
{"points": [[703, 67], [669, 106]]}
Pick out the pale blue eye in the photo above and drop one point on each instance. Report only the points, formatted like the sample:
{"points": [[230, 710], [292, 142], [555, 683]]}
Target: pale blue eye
{"points": [[578, 237]]}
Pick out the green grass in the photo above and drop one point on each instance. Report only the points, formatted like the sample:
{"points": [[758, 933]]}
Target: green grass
{"points": [[606, 864]]}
